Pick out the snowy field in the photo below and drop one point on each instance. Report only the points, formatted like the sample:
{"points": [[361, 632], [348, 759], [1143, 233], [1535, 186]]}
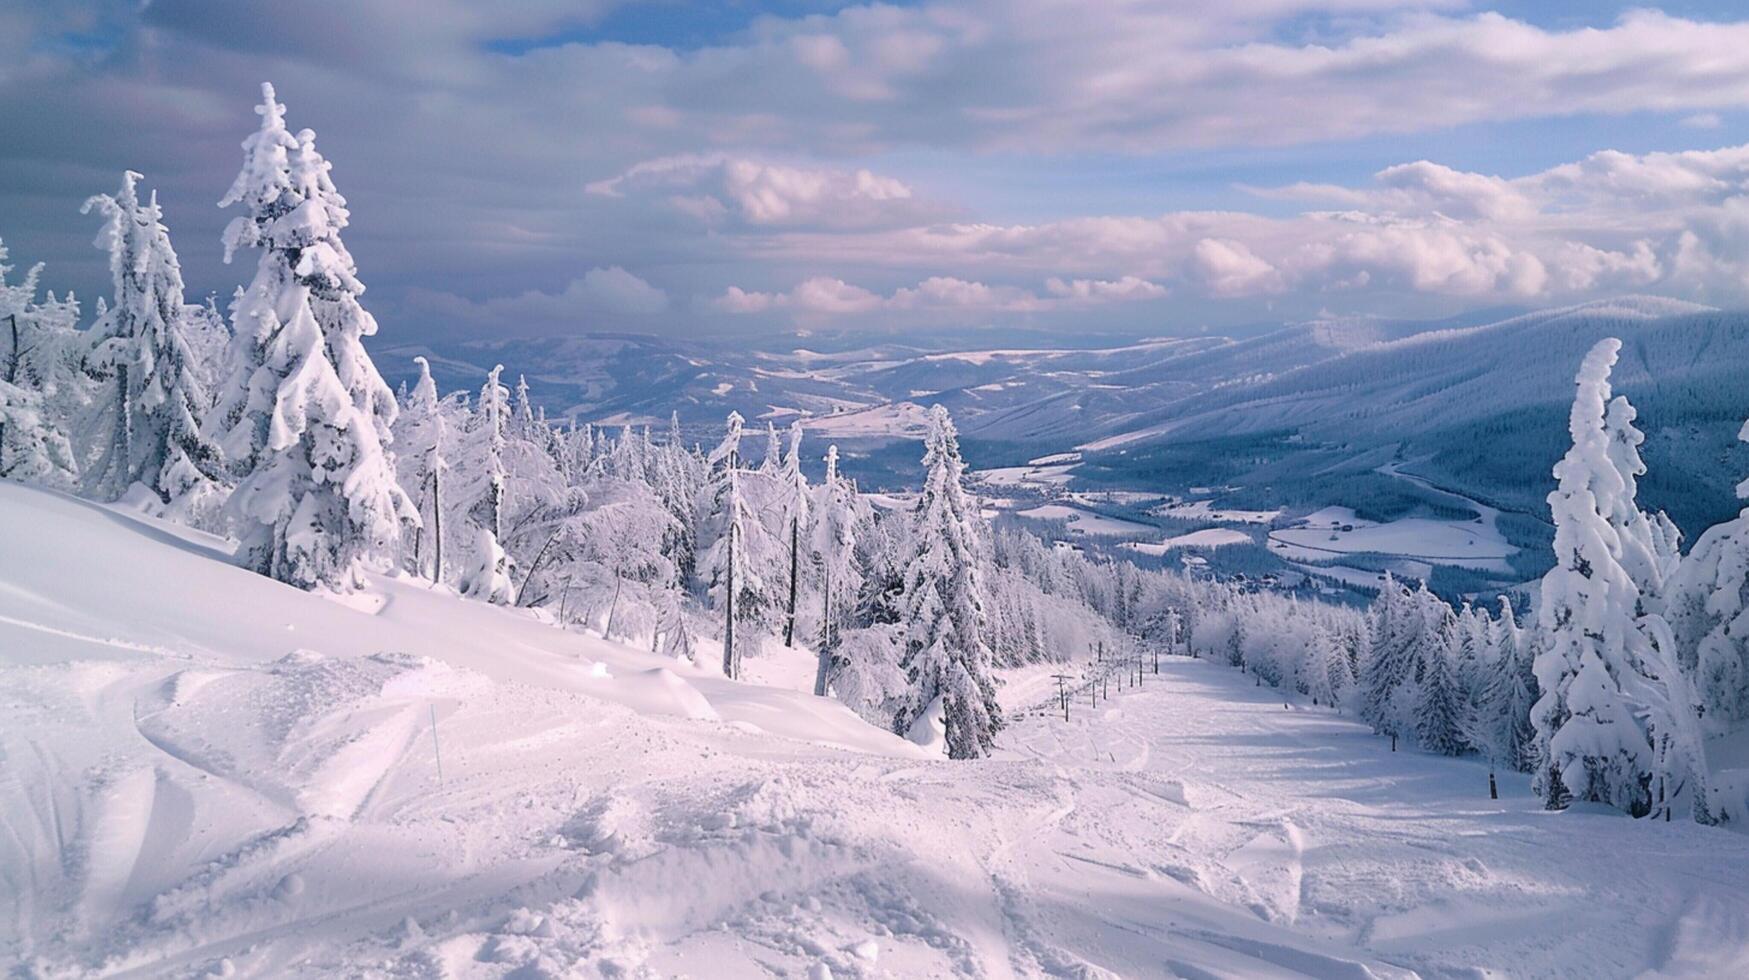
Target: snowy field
{"points": [[1084, 521], [207, 773], [1208, 537], [1336, 531]]}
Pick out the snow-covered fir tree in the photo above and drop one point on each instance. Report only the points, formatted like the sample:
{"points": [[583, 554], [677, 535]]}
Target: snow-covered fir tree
{"points": [[317, 500], [678, 641], [488, 574], [326, 267], [1391, 658], [34, 443], [1708, 609], [1649, 544], [423, 432], [1501, 728], [153, 398], [1440, 707], [795, 515], [1590, 744], [834, 549], [947, 659], [737, 591]]}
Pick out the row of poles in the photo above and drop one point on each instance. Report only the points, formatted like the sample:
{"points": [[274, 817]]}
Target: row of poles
{"points": [[1133, 669]]}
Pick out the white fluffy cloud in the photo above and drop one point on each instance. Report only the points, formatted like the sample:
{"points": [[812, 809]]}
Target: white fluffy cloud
{"points": [[1611, 222], [716, 189]]}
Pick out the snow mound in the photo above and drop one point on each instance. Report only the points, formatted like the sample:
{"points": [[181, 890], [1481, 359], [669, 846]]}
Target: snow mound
{"points": [[311, 733]]}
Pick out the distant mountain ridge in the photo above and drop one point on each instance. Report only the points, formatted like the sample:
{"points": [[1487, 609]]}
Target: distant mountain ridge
{"points": [[1476, 407]]}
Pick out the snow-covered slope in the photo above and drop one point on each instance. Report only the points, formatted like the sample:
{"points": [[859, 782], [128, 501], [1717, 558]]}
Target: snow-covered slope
{"points": [[203, 773]]}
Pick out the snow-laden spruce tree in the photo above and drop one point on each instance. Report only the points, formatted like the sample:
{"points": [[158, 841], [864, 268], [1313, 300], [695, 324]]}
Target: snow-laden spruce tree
{"points": [[488, 572], [152, 397], [737, 591], [841, 512], [678, 641], [1650, 544], [423, 432], [1390, 661], [793, 498], [773, 458], [34, 447], [1590, 744], [326, 267], [947, 659], [316, 500], [1500, 725], [1708, 610], [1440, 707]]}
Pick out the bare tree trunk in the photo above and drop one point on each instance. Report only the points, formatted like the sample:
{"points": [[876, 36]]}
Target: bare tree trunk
{"points": [[436, 524], [534, 566], [795, 531], [729, 664], [612, 607], [825, 634]]}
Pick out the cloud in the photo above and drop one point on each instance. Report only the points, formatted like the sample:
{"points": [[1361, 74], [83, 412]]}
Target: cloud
{"points": [[826, 296], [1229, 268], [498, 152], [1612, 221], [715, 188], [603, 292]]}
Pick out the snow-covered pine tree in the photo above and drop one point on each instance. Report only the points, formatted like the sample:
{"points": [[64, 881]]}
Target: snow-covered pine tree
{"points": [[1650, 545], [793, 490], [736, 589], [523, 425], [773, 459], [140, 352], [488, 575], [422, 431], [678, 641], [1440, 709], [1708, 610], [34, 447], [947, 659], [326, 267], [317, 500], [1501, 729], [1589, 742], [834, 547], [1390, 661]]}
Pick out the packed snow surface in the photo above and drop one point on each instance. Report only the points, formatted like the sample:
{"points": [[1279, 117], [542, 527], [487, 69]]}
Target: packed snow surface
{"points": [[203, 772]]}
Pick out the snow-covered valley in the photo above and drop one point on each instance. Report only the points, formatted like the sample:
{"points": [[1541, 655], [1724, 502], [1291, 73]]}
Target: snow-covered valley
{"points": [[206, 772]]}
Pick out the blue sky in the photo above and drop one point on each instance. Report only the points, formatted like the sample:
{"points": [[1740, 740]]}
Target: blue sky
{"points": [[1148, 166]]}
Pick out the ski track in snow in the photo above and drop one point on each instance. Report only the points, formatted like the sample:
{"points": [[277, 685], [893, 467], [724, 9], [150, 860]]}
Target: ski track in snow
{"points": [[277, 810]]}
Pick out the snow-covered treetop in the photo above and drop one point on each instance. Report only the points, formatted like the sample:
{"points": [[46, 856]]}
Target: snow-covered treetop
{"points": [[263, 186], [424, 397], [792, 479], [731, 444], [13, 299]]}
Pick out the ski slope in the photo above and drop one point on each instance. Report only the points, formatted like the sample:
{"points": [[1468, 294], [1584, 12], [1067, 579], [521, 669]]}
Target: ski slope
{"points": [[206, 773]]}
